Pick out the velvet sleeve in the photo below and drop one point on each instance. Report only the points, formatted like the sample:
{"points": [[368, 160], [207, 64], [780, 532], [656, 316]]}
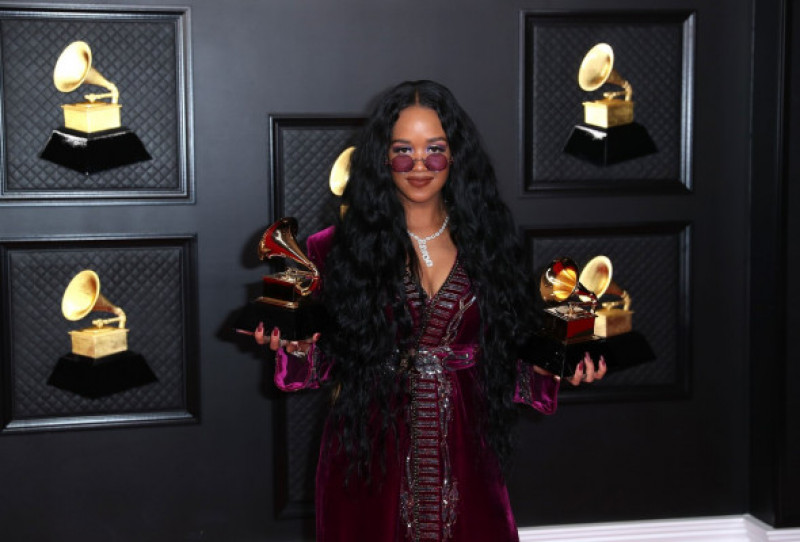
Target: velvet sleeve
{"points": [[536, 390], [318, 245], [293, 373]]}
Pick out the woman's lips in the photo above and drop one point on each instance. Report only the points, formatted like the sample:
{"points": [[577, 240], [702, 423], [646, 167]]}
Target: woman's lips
{"points": [[419, 182]]}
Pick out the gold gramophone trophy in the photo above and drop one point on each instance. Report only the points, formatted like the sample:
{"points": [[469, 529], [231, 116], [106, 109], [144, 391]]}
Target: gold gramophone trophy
{"points": [[287, 301], [614, 317], [570, 305], [574, 322], [340, 172], [100, 363], [92, 138], [83, 296], [608, 134]]}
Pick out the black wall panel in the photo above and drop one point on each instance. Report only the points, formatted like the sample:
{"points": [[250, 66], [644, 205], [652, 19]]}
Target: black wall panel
{"points": [[775, 441]]}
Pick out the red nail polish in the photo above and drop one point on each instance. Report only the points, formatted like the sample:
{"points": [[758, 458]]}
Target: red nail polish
{"points": [[275, 331]]}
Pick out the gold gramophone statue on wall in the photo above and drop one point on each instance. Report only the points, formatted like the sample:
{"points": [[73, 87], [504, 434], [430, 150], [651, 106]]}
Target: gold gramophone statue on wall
{"points": [[340, 174], [287, 301], [82, 297], [574, 321], [609, 133], [100, 363], [92, 138]]}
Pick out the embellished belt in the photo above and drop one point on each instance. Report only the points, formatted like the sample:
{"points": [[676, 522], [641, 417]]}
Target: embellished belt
{"points": [[436, 359]]}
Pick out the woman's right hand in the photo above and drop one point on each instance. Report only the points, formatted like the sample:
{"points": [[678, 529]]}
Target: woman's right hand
{"points": [[297, 348]]}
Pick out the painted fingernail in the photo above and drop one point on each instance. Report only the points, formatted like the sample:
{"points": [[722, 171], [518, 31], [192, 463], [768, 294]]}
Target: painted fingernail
{"points": [[275, 331], [582, 366], [260, 327], [602, 362]]}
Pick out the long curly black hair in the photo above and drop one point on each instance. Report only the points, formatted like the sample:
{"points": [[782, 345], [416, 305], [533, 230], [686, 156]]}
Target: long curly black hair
{"points": [[363, 282]]}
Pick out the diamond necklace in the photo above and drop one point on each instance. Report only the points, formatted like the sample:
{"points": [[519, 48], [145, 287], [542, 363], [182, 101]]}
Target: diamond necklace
{"points": [[423, 241]]}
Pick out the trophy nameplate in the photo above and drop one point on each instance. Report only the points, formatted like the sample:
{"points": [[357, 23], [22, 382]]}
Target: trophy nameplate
{"points": [[287, 301], [92, 138]]}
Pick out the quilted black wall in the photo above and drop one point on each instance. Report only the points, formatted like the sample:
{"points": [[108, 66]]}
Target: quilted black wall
{"points": [[243, 104]]}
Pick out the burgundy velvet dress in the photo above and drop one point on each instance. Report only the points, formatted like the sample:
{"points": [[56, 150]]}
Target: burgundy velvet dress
{"points": [[442, 481]]}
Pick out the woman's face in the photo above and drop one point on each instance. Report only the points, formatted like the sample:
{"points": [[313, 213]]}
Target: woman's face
{"points": [[418, 134]]}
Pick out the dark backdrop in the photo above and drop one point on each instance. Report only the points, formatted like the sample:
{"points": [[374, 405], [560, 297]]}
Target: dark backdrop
{"points": [[720, 441]]}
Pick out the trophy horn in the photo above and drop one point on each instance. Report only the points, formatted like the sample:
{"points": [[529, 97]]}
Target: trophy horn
{"points": [[559, 281], [83, 296], [597, 69], [597, 277], [340, 172], [279, 242], [74, 67]]}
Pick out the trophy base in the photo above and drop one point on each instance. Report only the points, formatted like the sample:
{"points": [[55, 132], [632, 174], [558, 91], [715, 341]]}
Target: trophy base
{"points": [[606, 146], [92, 152], [94, 378], [296, 324], [562, 357]]}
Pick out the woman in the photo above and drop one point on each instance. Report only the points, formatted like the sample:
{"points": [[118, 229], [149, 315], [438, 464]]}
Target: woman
{"points": [[428, 294]]}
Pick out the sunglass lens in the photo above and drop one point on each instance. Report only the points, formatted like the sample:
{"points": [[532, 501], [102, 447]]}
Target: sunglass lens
{"points": [[436, 162], [402, 163]]}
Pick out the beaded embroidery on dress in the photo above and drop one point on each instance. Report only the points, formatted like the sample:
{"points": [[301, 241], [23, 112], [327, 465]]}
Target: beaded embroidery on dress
{"points": [[430, 497]]}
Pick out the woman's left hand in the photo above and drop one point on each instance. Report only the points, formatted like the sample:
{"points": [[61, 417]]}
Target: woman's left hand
{"points": [[587, 372], [584, 372]]}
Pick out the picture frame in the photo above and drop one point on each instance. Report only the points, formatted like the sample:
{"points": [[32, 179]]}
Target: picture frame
{"points": [[152, 278], [654, 51], [145, 53]]}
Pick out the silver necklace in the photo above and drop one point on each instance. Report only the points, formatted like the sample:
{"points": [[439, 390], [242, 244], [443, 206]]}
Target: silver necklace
{"points": [[423, 242]]}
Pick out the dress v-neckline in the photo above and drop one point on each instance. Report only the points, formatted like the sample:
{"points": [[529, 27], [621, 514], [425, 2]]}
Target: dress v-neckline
{"points": [[428, 298]]}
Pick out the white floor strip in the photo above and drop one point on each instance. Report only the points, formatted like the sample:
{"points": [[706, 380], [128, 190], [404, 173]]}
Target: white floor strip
{"points": [[722, 529]]}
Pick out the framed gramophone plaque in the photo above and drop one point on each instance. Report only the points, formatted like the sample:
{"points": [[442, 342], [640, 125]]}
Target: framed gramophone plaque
{"points": [[97, 332], [96, 106], [607, 101], [651, 279]]}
